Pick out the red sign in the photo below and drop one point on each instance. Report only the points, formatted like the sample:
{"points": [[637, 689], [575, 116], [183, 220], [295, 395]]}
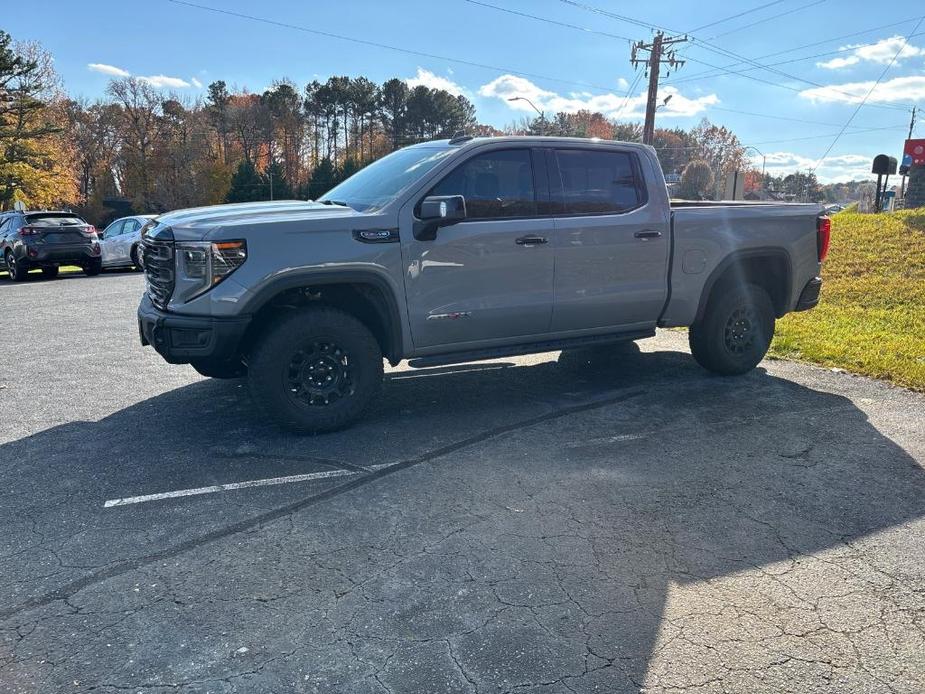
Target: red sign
{"points": [[916, 150]]}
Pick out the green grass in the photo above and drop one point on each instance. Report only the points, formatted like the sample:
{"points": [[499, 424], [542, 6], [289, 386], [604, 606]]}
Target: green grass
{"points": [[871, 317]]}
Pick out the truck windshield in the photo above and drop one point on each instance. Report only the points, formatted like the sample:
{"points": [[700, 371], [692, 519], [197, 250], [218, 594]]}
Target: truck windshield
{"points": [[379, 183]]}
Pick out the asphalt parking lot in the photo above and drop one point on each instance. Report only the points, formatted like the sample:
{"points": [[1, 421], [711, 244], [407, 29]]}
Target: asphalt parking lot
{"points": [[551, 523]]}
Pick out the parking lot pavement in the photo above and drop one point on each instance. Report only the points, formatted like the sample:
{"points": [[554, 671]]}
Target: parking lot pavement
{"points": [[555, 523]]}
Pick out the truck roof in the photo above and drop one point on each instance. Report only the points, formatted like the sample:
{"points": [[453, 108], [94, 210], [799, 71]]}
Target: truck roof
{"points": [[548, 140]]}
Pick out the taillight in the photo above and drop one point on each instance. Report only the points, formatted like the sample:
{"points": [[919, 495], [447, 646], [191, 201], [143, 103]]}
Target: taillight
{"points": [[90, 230], [28, 231], [823, 234]]}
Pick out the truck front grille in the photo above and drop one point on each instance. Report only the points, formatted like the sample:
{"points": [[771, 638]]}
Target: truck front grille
{"points": [[158, 262]]}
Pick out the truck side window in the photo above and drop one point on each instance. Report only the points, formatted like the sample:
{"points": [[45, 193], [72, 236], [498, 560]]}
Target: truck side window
{"points": [[495, 184], [598, 182]]}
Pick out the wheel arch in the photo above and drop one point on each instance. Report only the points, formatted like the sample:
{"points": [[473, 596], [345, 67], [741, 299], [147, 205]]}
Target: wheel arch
{"points": [[365, 295], [768, 267]]}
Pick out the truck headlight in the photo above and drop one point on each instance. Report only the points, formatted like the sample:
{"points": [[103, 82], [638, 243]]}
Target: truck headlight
{"points": [[202, 265]]}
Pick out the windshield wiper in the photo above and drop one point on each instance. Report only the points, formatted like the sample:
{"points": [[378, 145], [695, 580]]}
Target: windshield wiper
{"points": [[339, 203]]}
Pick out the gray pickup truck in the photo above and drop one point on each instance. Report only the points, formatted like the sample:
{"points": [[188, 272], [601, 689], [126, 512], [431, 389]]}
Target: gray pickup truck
{"points": [[466, 249]]}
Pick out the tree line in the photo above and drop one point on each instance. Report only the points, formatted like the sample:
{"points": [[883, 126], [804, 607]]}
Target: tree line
{"points": [[140, 149]]}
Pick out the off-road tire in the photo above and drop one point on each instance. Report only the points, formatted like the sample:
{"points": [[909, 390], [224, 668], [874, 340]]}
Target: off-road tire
{"points": [[18, 271], [213, 368], [736, 330], [49, 272], [284, 364], [93, 267]]}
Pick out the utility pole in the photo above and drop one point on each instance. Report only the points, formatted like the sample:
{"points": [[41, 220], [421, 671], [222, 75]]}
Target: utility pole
{"points": [[902, 189], [653, 63]]}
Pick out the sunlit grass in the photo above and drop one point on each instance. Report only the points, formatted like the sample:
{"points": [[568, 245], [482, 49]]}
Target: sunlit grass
{"points": [[871, 318]]}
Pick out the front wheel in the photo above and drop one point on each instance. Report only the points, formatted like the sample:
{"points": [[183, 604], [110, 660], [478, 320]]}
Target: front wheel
{"points": [[735, 332], [316, 370], [93, 267], [136, 261]]}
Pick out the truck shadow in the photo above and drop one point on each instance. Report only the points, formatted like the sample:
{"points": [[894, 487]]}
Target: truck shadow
{"points": [[813, 474]]}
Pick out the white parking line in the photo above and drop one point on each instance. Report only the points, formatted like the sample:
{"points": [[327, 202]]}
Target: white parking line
{"points": [[228, 487]]}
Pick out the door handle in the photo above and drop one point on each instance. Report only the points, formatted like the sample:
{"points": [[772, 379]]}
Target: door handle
{"points": [[648, 234], [531, 240]]}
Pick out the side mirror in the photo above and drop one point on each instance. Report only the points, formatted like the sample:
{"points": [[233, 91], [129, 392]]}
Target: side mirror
{"points": [[438, 211]]}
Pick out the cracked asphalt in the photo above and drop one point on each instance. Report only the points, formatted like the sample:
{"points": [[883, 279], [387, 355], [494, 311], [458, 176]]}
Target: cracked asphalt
{"points": [[555, 523]]}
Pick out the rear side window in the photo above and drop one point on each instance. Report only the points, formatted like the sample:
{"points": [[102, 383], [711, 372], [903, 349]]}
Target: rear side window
{"points": [[495, 184], [53, 220], [595, 182]]}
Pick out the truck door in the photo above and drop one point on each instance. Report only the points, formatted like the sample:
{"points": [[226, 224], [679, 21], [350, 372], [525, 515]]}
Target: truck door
{"points": [[612, 241], [488, 279]]}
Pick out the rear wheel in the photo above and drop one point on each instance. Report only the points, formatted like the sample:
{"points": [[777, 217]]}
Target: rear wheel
{"points": [[93, 267], [316, 370], [215, 368], [49, 272], [18, 270], [736, 330]]}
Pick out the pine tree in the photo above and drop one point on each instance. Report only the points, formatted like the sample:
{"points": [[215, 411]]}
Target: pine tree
{"points": [[281, 190], [246, 184], [323, 178], [349, 168]]}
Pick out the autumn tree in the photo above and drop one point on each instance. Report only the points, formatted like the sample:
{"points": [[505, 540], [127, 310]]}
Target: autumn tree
{"points": [[696, 181], [36, 165], [139, 122], [719, 147]]}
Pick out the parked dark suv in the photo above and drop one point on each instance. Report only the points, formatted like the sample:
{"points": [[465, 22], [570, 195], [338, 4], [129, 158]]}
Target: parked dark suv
{"points": [[47, 240]]}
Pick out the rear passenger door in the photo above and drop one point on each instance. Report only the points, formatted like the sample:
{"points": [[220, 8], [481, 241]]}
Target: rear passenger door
{"points": [[612, 245]]}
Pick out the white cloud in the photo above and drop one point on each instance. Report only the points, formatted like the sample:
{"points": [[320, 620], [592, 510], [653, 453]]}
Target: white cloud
{"points": [[837, 169], [881, 52], [430, 80], [161, 81], [108, 69], [910, 88], [622, 83], [612, 105]]}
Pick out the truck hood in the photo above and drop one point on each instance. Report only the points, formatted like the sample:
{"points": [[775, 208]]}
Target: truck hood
{"points": [[201, 222]]}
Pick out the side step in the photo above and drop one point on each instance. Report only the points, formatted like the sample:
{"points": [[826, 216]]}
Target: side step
{"points": [[529, 348]]}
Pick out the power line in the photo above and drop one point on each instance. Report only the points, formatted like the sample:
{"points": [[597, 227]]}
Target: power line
{"points": [[776, 117], [794, 139], [376, 44], [736, 16], [719, 50], [548, 21], [867, 96], [905, 22], [767, 19], [707, 74]]}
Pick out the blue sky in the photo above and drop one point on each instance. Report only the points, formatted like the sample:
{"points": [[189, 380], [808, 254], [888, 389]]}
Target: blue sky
{"points": [[792, 121]]}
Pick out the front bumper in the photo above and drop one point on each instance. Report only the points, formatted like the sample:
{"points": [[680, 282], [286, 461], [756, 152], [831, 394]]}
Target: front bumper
{"points": [[181, 339], [809, 297]]}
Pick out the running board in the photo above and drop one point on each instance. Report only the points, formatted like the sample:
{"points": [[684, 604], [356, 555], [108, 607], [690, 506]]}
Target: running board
{"points": [[530, 348]]}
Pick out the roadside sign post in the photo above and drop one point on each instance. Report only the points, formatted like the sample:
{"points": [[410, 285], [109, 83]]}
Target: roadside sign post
{"points": [[883, 165]]}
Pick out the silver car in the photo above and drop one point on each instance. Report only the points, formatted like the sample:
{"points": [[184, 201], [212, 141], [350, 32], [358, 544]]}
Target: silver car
{"points": [[119, 241]]}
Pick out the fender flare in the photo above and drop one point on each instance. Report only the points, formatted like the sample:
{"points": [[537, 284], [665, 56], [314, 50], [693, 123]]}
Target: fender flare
{"points": [[316, 278], [737, 257]]}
